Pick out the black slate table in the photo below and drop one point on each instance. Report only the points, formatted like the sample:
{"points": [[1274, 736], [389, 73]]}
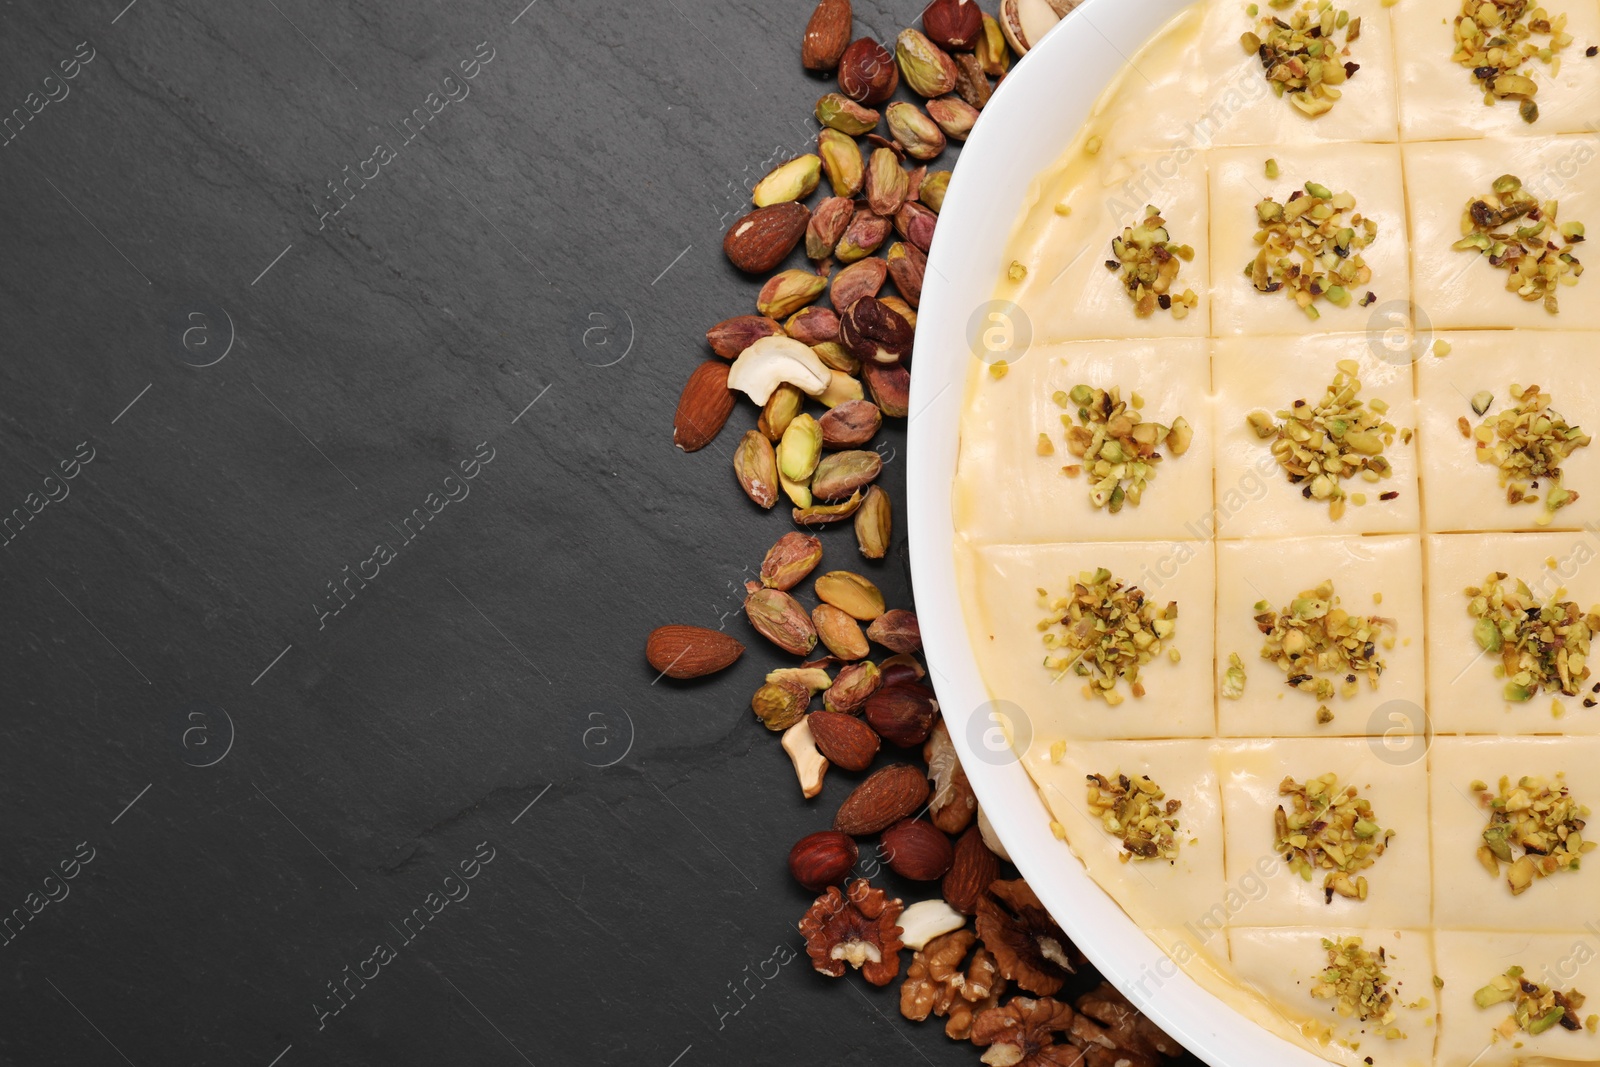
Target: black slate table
{"points": [[341, 348]]}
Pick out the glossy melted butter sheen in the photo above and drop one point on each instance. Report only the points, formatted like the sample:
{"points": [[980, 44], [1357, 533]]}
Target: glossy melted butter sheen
{"points": [[1188, 128]]}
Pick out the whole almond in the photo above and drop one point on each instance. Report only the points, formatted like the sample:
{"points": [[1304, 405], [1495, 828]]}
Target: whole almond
{"points": [[779, 618], [703, 407], [890, 387], [972, 869], [890, 794], [759, 242], [732, 336], [787, 562], [917, 850], [902, 714], [848, 742], [690, 651], [897, 630], [827, 34], [851, 424], [856, 281], [839, 632]]}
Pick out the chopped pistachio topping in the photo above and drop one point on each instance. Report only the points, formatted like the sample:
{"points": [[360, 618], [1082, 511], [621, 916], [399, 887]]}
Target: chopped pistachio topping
{"points": [[1105, 631], [1311, 248], [1117, 447], [1017, 271], [1528, 442], [1301, 55], [1328, 828], [1535, 1007], [1356, 981], [1321, 647], [1340, 436], [1137, 813], [1149, 262], [1518, 232], [1233, 678], [1535, 828], [1494, 40], [1542, 645]]}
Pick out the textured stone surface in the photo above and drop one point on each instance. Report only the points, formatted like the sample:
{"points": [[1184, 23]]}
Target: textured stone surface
{"points": [[268, 791]]}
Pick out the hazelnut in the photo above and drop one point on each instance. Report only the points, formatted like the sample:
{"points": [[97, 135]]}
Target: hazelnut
{"points": [[867, 72], [902, 714], [822, 859], [953, 24], [916, 850]]}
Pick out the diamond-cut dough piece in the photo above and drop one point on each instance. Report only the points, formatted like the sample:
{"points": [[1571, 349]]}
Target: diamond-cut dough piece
{"points": [[1254, 496], [1153, 892], [1283, 965], [1006, 492], [1460, 290], [1278, 571], [1370, 172], [1461, 493], [1240, 107], [1470, 960], [1269, 893], [1464, 695], [1440, 100], [1010, 650], [1466, 896], [1069, 294]]}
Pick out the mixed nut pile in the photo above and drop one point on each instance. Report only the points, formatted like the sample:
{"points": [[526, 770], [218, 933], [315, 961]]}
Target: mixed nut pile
{"points": [[985, 954]]}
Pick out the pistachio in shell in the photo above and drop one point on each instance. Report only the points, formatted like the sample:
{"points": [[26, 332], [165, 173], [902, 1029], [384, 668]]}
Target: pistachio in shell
{"points": [[907, 265], [780, 409], [897, 630], [972, 84], [842, 389], [915, 223], [851, 687], [836, 356]]}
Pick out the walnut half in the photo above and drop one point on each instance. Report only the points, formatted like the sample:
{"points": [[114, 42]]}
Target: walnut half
{"points": [[857, 928]]}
